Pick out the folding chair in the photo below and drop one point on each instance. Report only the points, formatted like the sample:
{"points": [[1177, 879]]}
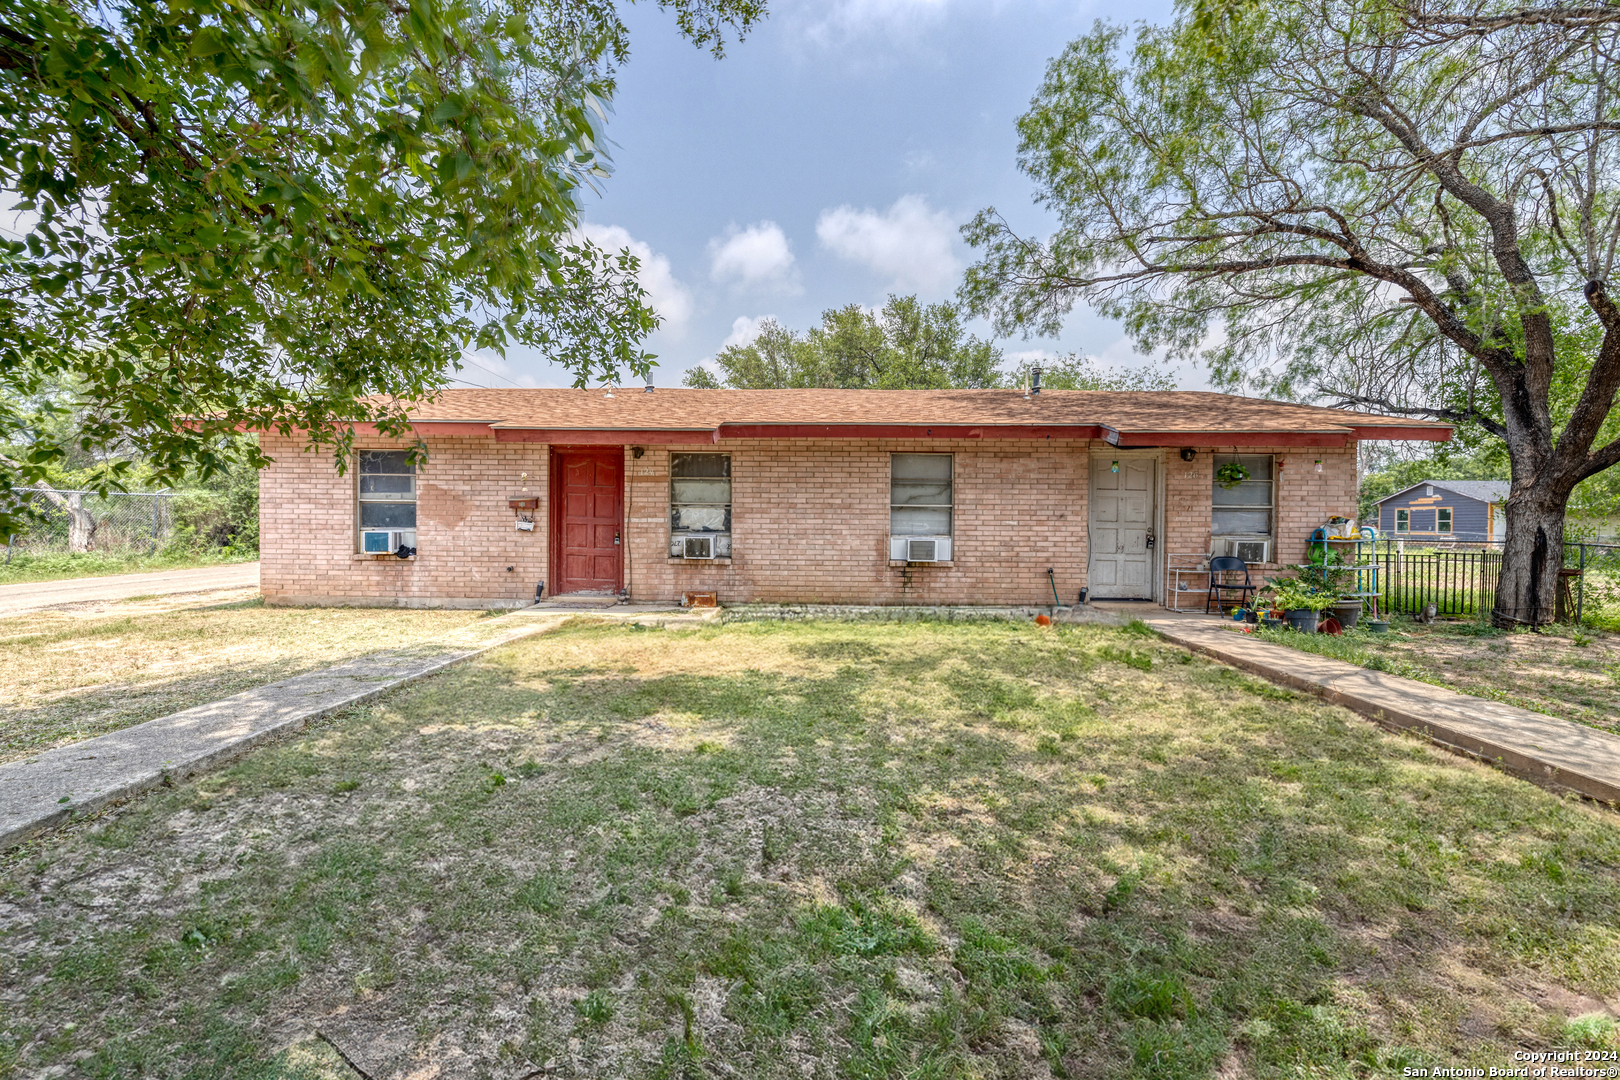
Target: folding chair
{"points": [[1218, 588]]}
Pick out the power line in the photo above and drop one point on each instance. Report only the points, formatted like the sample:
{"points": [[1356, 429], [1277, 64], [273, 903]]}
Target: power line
{"points": [[498, 375]]}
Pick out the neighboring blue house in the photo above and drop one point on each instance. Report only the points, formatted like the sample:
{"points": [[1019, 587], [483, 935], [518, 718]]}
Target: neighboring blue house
{"points": [[1446, 510]]}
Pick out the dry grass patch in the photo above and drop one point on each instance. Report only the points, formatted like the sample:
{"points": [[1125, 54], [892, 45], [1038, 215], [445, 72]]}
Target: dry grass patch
{"points": [[820, 850], [77, 672], [1563, 671]]}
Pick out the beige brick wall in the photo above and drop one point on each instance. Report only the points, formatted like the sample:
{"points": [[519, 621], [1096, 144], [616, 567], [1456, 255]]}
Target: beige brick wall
{"points": [[810, 523], [465, 534], [1305, 498]]}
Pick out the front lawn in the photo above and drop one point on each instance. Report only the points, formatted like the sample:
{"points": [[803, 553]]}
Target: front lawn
{"points": [[820, 850], [74, 673], [1563, 671]]}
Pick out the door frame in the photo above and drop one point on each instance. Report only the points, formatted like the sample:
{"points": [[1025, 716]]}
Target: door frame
{"points": [[554, 518], [1156, 554]]}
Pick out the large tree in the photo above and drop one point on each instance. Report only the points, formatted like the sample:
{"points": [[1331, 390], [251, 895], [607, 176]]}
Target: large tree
{"points": [[1399, 204], [905, 345], [295, 215]]}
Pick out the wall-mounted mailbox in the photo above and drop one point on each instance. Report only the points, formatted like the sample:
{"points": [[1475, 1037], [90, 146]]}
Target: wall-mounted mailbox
{"points": [[523, 502]]}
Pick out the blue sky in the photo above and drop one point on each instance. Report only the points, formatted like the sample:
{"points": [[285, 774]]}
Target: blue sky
{"points": [[830, 158]]}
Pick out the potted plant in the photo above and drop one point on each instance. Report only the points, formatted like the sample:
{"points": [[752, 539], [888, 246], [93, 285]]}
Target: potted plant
{"points": [[1326, 570], [1231, 474], [1300, 600]]}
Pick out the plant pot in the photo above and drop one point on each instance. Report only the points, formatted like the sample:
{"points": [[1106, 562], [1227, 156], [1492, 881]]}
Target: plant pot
{"points": [[1377, 626], [1270, 623], [1302, 619], [1347, 613], [1250, 615]]}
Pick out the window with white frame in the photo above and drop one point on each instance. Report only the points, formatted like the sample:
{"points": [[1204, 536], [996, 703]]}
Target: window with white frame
{"points": [[920, 496], [1442, 519], [700, 504], [387, 503], [1403, 521], [1247, 507]]}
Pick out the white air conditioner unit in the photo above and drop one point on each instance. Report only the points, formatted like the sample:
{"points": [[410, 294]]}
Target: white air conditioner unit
{"points": [[697, 547], [1251, 549], [920, 548], [378, 542]]}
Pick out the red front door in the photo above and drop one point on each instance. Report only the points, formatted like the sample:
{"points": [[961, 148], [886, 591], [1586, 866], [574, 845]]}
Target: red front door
{"points": [[587, 494]]}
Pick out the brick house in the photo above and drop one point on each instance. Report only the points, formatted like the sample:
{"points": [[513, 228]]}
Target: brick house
{"points": [[804, 496]]}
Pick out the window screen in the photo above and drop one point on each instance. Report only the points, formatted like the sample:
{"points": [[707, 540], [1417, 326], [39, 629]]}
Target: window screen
{"points": [[700, 500], [387, 500], [1245, 509], [920, 495]]}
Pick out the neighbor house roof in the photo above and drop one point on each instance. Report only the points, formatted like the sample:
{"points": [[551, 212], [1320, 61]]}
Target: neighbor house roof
{"points": [[1485, 491], [1123, 418]]}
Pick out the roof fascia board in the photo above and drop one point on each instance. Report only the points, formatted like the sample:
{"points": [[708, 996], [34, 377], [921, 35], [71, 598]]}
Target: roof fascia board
{"points": [[606, 436], [1391, 432], [1323, 439], [908, 431]]}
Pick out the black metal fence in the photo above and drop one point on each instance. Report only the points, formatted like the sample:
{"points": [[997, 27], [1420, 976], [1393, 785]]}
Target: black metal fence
{"points": [[1460, 578]]}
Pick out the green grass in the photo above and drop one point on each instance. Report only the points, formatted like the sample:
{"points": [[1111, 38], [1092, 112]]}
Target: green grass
{"points": [[24, 567], [71, 675], [1564, 671], [826, 850], [1358, 646]]}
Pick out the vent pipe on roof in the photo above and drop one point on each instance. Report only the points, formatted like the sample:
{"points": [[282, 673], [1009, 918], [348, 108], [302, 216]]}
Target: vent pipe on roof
{"points": [[1034, 380], [649, 387]]}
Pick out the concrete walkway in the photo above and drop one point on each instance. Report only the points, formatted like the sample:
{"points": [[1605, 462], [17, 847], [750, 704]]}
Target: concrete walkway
{"points": [[57, 785], [35, 595], [1551, 750]]}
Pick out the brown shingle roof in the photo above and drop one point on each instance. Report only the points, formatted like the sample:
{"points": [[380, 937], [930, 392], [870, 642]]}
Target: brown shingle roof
{"points": [[1128, 417]]}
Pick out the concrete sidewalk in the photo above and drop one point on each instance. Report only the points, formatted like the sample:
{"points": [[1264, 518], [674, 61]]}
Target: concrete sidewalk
{"points": [[1555, 751], [57, 785], [34, 595]]}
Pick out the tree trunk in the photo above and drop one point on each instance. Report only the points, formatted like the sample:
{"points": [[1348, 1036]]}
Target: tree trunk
{"points": [[81, 525], [1527, 591]]}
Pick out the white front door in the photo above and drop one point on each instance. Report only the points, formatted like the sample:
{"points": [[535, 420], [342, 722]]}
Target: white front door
{"points": [[1121, 562]]}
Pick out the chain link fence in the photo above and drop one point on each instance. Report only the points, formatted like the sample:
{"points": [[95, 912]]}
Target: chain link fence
{"points": [[123, 523]]}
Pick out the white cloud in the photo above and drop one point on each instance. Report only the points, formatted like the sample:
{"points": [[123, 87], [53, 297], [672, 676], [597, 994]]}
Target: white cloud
{"points": [[744, 330], [665, 292], [840, 21], [908, 243], [758, 257]]}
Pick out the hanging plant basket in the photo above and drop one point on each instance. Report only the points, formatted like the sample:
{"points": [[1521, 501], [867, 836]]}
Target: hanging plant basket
{"points": [[1231, 474]]}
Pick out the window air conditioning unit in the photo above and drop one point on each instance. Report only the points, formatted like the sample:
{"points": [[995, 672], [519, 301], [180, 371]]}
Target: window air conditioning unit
{"points": [[1249, 549], [382, 543], [697, 547], [920, 548]]}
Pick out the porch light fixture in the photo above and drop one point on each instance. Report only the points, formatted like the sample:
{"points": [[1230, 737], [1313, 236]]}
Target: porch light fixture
{"points": [[1114, 467], [1188, 453], [1318, 464]]}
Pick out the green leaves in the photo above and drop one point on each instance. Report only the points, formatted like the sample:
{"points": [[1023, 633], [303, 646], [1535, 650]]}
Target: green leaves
{"points": [[297, 216]]}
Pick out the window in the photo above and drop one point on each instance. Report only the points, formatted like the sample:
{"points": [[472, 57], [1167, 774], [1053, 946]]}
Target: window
{"points": [[387, 501], [1244, 509], [700, 501], [1442, 522], [920, 495], [1403, 521]]}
